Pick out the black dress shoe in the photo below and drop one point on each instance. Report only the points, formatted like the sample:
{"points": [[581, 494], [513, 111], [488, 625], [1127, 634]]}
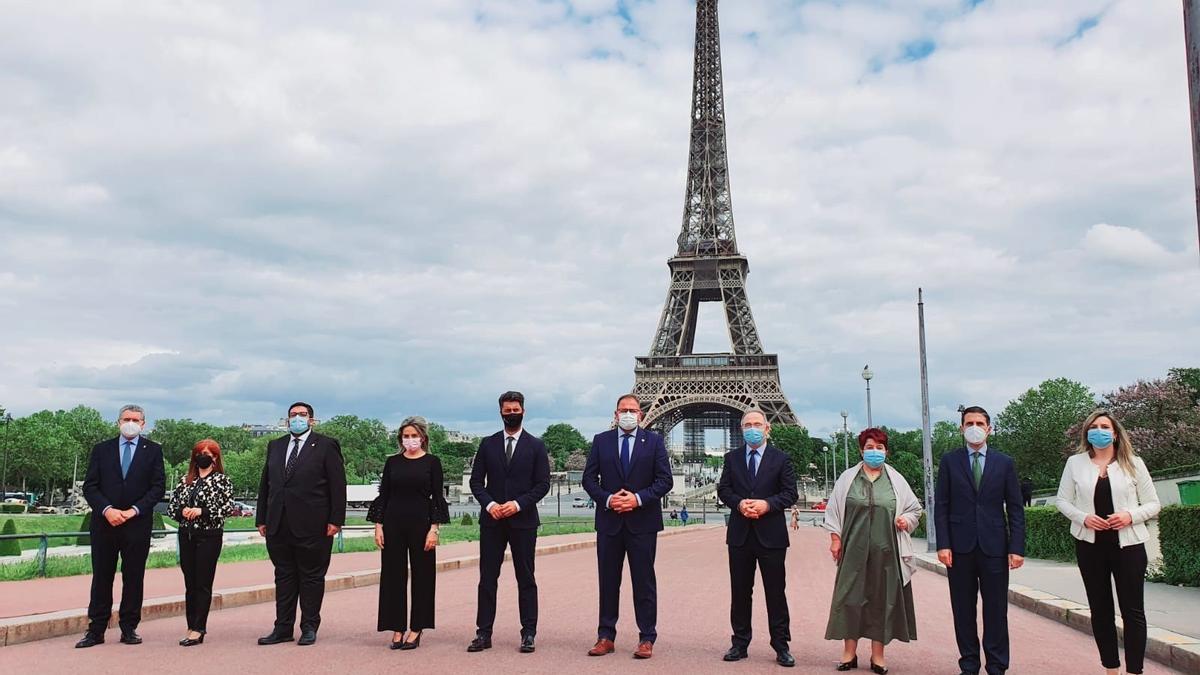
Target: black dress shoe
{"points": [[274, 638], [90, 640], [849, 665], [735, 654], [878, 670], [131, 638], [526, 644], [784, 658], [307, 637], [413, 644], [479, 644]]}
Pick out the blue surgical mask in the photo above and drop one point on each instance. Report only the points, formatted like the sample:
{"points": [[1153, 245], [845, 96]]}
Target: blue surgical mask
{"points": [[874, 457], [1100, 438], [298, 425], [753, 436]]}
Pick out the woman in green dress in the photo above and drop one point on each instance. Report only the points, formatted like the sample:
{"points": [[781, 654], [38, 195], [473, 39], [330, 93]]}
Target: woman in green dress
{"points": [[870, 515]]}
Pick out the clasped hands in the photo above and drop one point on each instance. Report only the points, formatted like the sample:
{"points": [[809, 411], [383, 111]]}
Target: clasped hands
{"points": [[504, 510], [623, 501], [191, 512], [753, 508], [1114, 522], [117, 517]]}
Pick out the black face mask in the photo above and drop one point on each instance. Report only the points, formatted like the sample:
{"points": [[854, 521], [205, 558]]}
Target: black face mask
{"points": [[512, 421], [204, 461]]}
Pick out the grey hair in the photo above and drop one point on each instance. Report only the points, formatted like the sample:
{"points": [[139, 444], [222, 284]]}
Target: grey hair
{"points": [[132, 408], [417, 422], [754, 411]]}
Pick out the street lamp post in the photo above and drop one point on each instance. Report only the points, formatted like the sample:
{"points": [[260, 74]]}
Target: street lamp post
{"points": [[825, 456], [845, 440], [7, 421], [867, 375]]}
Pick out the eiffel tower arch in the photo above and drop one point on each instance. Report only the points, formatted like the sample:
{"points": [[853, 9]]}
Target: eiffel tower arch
{"points": [[675, 384]]}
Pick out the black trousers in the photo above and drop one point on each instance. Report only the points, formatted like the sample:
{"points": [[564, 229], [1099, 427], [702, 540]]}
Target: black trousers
{"points": [[131, 542], [198, 553], [1099, 565], [611, 551], [770, 562], [300, 567], [404, 545], [975, 575], [492, 543]]}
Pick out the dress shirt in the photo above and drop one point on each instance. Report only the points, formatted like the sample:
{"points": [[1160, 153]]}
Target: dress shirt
{"points": [[133, 443], [632, 444], [516, 436]]}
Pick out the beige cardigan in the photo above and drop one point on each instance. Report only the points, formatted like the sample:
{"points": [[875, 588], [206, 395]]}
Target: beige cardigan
{"points": [[907, 506], [1077, 490]]}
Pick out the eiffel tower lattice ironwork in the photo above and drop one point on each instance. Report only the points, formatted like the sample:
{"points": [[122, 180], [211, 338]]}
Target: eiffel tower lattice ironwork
{"points": [[673, 383]]}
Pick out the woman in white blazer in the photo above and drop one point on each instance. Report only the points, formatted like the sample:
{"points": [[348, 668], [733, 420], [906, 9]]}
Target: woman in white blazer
{"points": [[1108, 494]]}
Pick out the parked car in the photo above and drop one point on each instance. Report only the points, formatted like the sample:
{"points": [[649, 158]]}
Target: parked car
{"points": [[579, 503], [242, 509], [819, 506]]}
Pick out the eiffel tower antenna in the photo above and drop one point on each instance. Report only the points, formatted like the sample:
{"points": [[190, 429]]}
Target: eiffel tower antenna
{"points": [[674, 384]]}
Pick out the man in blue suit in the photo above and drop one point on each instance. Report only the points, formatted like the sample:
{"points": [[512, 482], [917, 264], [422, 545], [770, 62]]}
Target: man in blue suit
{"points": [[510, 475], [627, 474], [980, 521]]}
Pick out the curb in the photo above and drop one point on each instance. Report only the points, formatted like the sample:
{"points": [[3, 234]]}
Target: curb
{"points": [[17, 630], [1169, 648]]}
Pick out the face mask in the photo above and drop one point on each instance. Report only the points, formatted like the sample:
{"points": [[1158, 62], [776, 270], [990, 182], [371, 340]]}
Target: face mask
{"points": [[627, 421], [975, 435], [298, 425], [130, 429], [753, 436], [411, 443], [1100, 438], [874, 457], [512, 421], [204, 461]]}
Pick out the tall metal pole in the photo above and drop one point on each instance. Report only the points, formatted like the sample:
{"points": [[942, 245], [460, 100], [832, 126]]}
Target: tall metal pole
{"points": [[926, 435], [7, 421], [825, 456], [845, 439], [1191, 36]]}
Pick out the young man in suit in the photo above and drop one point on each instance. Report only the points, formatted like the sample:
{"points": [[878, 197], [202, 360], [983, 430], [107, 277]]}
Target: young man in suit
{"points": [[758, 485], [124, 481], [627, 474], [509, 476], [979, 516], [301, 506]]}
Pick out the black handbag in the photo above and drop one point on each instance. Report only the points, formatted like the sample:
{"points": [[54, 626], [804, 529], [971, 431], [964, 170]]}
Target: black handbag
{"points": [[439, 510]]}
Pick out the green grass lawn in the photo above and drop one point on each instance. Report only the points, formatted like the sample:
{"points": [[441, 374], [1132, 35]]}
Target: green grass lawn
{"points": [[34, 524]]}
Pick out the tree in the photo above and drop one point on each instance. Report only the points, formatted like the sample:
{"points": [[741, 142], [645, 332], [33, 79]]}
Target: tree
{"points": [[1034, 428], [245, 468], [456, 457], [178, 437], [561, 440], [1162, 419], [1188, 377], [576, 461], [795, 441], [365, 443]]}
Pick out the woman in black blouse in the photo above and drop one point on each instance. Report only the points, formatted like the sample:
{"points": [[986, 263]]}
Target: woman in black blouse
{"points": [[406, 514], [199, 504]]}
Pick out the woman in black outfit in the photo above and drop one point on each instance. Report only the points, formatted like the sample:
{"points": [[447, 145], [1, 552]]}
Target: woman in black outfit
{"points": [[199, 504], [407, 512]]}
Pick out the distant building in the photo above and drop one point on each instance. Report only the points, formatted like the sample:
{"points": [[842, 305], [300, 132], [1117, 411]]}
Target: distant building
{"points": [[260, 430], [459, 437]]}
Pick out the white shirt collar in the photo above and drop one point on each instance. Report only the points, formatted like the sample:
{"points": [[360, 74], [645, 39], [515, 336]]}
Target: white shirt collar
{"points": [[303, 438], [516, 435]]}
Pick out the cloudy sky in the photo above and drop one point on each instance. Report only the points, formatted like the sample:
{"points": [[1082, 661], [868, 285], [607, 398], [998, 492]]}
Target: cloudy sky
{"points": [[396, 208]]}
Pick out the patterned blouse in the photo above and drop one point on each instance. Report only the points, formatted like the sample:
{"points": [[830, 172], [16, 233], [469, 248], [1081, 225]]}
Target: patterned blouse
{"points": [[212, 493]]}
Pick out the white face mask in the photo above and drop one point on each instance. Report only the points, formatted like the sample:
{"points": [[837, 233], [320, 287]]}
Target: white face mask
{"points": [[411, 443], [627, 421], [975, 435], [130, 429]]}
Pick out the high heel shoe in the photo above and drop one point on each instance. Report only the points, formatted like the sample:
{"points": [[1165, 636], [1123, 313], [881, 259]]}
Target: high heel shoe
{"points": [[414, 644], [397, 644], [852, 664], [190, 642], [877, 669]]}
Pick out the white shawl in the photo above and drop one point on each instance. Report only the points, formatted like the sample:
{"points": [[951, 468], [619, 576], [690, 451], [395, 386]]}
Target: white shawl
{"points": [[907, 506]]}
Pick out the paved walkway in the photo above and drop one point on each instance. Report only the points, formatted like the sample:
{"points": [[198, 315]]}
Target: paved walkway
{"points": [[693, 624]]}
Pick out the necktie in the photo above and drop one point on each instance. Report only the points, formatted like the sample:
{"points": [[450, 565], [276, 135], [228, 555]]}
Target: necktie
{"points": [[508, 451], [126, 457], [291, 462], [753, 463], [976, 468], [625, 452]]}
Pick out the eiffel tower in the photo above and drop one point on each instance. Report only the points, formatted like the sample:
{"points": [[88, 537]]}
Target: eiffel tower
{"points": [[673, 383]]}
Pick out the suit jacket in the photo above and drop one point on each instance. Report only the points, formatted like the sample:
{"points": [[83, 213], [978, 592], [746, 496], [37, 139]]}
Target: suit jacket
{"points": [[649, 476], [775, 482], [143, 486], [525, 480], [992, 517], [315, 494]]}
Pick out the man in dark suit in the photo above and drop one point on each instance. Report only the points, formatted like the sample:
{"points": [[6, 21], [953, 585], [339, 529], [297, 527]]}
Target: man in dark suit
{"points": [[301, 506], [980, 521], [510, 475], [124, 482], [627, 474], [758, 485]]}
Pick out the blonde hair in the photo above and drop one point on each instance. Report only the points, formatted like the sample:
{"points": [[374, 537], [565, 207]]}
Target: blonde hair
{"points": [[419, 424], [1123, 449]]}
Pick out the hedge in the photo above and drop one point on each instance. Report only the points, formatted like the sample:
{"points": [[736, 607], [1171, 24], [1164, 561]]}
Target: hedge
{"points": [[12, 508], [1179, 535], [9, 546], [1048, 534], [85, 526], [466, 520], [157, 524]]}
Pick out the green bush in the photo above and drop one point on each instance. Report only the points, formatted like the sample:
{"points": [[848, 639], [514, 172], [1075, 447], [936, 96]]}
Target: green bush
{"points": [[919, 532], [85, 526], [1048, 534], [1179, 534], [466, 520], [158, 524], [12, 508], [9, 546]]}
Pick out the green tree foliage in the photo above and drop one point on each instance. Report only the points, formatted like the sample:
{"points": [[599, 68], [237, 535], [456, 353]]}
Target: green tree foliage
{"points": [[365, 443], [795, 441], [245, 468], [178, 437], [561, 440], [456, 458], [1034, 428], [9, 546], [1188, 377]]}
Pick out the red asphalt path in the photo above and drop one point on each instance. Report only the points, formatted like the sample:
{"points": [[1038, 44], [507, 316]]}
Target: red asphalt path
{"points": [[693, 627]]}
